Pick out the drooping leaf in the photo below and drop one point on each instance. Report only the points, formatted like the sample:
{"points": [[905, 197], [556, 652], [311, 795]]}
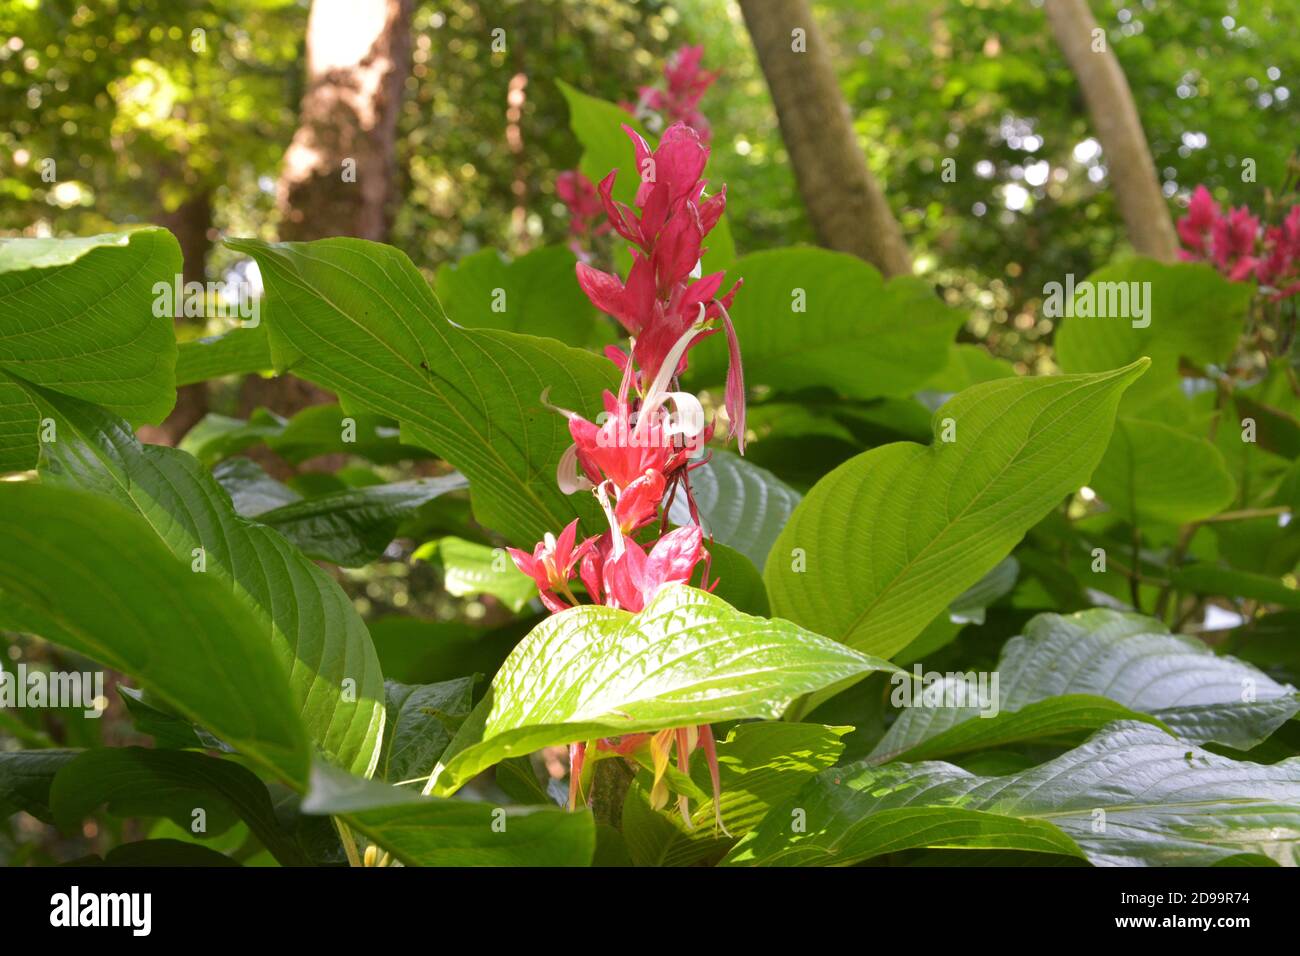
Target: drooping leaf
{"points": [[594, 671], [84, 572], [428, 831], [77, 316], [300, 613], [136, 782], [25, 779], [810, 317], [740, 504], [353, 527], [1130, 796], [358, 318], [895, 534]]}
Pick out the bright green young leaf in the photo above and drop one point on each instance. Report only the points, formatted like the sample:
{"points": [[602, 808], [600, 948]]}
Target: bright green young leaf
{"points": [[536, 294], [892, 536], [84, 572], [135, 782], [429, 831], [470, 568], [77, 316], [595, 671], [810, 317], [1153, 472], [1058, 677], [358, 318], [301, 615], [740, 504], [1131, 796]]}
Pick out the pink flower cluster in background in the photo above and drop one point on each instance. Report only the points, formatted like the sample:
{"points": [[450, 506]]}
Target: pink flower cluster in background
{"points": [[1234, 243]]}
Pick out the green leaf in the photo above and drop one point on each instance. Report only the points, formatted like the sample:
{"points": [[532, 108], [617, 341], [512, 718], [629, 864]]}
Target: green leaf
{"points": [[421, 721], [77, 316], [537, 294], [740, 504], [1058, 676], [1209, 579], [1131, 796], [969, 606], [84, 572], [1194, 313], [135, 782], [358, 318], [1153, 472], [594, 671], [252, 491], [470, 568], [25, 779], [353, 527], [298, 612], [860, 335], [759, 766], [427, 831], [895, 534], [237, 352]]}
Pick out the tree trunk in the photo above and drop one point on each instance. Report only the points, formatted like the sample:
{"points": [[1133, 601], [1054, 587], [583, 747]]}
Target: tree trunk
{"points": [[1115, 119], [845, 203], [339, 173], [189, 223]]}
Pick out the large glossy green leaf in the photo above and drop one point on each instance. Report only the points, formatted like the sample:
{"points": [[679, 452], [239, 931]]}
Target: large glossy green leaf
{"points": [[593, 671], [84, 572], [1155, 472], [428, 831], [353, 527], [300, 613], [358, 318], [860, 335], [536, 294], [135, 782], [1131, 796], [1060, 675], [892, 536], [1194, 313], [76, 316], [759, 765], [740, 504]]}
